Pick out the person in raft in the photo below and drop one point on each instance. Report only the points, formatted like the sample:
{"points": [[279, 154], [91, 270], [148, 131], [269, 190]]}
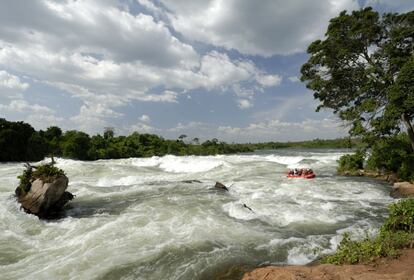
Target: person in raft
{"points": [[300, 172]]}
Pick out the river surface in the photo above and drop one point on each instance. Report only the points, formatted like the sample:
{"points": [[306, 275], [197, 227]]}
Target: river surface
{"points": [[161, 218]]}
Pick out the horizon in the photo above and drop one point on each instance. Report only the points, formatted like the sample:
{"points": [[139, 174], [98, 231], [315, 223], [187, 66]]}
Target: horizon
{"points": [[218, 69]]}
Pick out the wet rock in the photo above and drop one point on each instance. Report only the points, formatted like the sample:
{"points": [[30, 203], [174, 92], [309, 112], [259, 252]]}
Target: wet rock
{"points": [[402, 189], [220, 186], [245, 206], [43, 196], [191, 181]]}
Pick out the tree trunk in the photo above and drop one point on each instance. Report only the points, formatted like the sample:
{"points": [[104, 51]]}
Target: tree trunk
{"points": [[410, 130]]}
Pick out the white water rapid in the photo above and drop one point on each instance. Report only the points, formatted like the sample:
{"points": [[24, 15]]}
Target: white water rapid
{"points": [[161, 218]]}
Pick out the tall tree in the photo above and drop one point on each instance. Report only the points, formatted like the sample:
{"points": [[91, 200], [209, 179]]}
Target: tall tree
{"points": [[363, 70]]}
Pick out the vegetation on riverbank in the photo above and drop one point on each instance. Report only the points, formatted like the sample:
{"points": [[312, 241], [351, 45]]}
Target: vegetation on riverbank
{"points": [[396, 233], [21, 142], [391, 155]]}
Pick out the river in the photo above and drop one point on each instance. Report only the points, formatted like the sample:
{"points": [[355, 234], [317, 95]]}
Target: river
{"points": [[161, 218]]}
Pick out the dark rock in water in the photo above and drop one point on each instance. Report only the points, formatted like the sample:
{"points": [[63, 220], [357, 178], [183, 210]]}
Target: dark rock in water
{"points": [[245, 206], [220, 186], [46, 197], [402, 189], [191, 181]]}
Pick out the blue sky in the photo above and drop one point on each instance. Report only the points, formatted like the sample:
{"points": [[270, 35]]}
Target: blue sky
{"points": [[221, 69]]}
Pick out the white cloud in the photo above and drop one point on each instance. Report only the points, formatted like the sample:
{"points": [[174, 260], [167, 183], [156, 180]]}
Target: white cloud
{"points": [[217, 69], [294, 79], [39, 116], [144, 118], [263, 28], [185, 127], [269, 80], [270, 130], [141, 127], [244, 104], [276, 130], [100, 27], [11, 86], [11, 82], [93, 117], [22, 106]]}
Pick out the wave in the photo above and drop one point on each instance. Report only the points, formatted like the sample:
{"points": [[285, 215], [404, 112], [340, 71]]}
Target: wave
{"points": [[180, 164]]}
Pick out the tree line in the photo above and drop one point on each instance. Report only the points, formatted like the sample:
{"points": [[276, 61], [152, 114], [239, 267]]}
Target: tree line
{"points": [[19, 141]]}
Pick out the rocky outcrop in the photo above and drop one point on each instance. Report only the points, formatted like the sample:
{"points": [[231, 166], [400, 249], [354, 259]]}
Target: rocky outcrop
{"points": [[44, 196], [221, 186], [383, 269], [402, 189]]}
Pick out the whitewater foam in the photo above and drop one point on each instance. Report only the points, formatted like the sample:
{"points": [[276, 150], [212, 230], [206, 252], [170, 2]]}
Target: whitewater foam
{"points": [[150, 218]]}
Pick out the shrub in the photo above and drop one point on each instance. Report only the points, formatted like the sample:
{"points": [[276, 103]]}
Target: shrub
{"points": [[397, 232], [393, 154], [401, 217], [47, 173], [351, 163]]}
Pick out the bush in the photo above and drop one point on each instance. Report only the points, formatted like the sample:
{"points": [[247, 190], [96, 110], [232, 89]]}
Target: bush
{"points": [[397, 232], [351, 163], [393, 154], [47, 173], [401, 217]]}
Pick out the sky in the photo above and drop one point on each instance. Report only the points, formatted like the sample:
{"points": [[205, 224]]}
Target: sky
{"points": [[225, 69]]}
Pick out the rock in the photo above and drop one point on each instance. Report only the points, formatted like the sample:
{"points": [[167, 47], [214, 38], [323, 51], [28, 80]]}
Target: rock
{"points": [[220, 186], [191, 181], [402, 189], [44, 199], [392, 178], [245, 206]]}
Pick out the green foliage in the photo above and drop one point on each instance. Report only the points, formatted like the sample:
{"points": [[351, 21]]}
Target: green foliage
{"points": [[14, 141], [24, 182], [75, 144], [401, 217], [20, 142], [351, 163], [393, 154], [46, 172], [397, 232]]}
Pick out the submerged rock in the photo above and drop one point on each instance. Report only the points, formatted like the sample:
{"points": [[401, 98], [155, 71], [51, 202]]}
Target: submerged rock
{"points": [[43, 192], [191, 181], [220, 186], [402, 189]]}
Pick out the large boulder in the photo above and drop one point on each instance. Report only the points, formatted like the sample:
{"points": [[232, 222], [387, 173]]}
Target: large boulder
{"points": [[402, 189], [43, 195]]}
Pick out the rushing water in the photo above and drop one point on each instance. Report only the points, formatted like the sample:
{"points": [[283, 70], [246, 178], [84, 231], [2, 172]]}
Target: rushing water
{"points": [[161, 218]]}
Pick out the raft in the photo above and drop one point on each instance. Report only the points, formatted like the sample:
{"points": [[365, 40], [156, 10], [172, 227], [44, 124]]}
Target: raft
{"points": [[307, 176]]}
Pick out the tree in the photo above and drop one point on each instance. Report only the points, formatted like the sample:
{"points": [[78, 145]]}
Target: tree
{"points": [[109, 133], [76, 144], [182, 137], [196, 141], [363, 70]]}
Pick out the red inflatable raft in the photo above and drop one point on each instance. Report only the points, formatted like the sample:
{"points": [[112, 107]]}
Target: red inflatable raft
{"points": [[304, 176]]}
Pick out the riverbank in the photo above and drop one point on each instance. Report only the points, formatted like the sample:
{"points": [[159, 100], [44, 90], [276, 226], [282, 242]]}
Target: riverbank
{"points": [[400, 189], [401, 268]]}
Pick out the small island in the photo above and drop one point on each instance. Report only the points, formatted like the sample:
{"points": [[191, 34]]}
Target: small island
{"points": [[42, 190]]}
